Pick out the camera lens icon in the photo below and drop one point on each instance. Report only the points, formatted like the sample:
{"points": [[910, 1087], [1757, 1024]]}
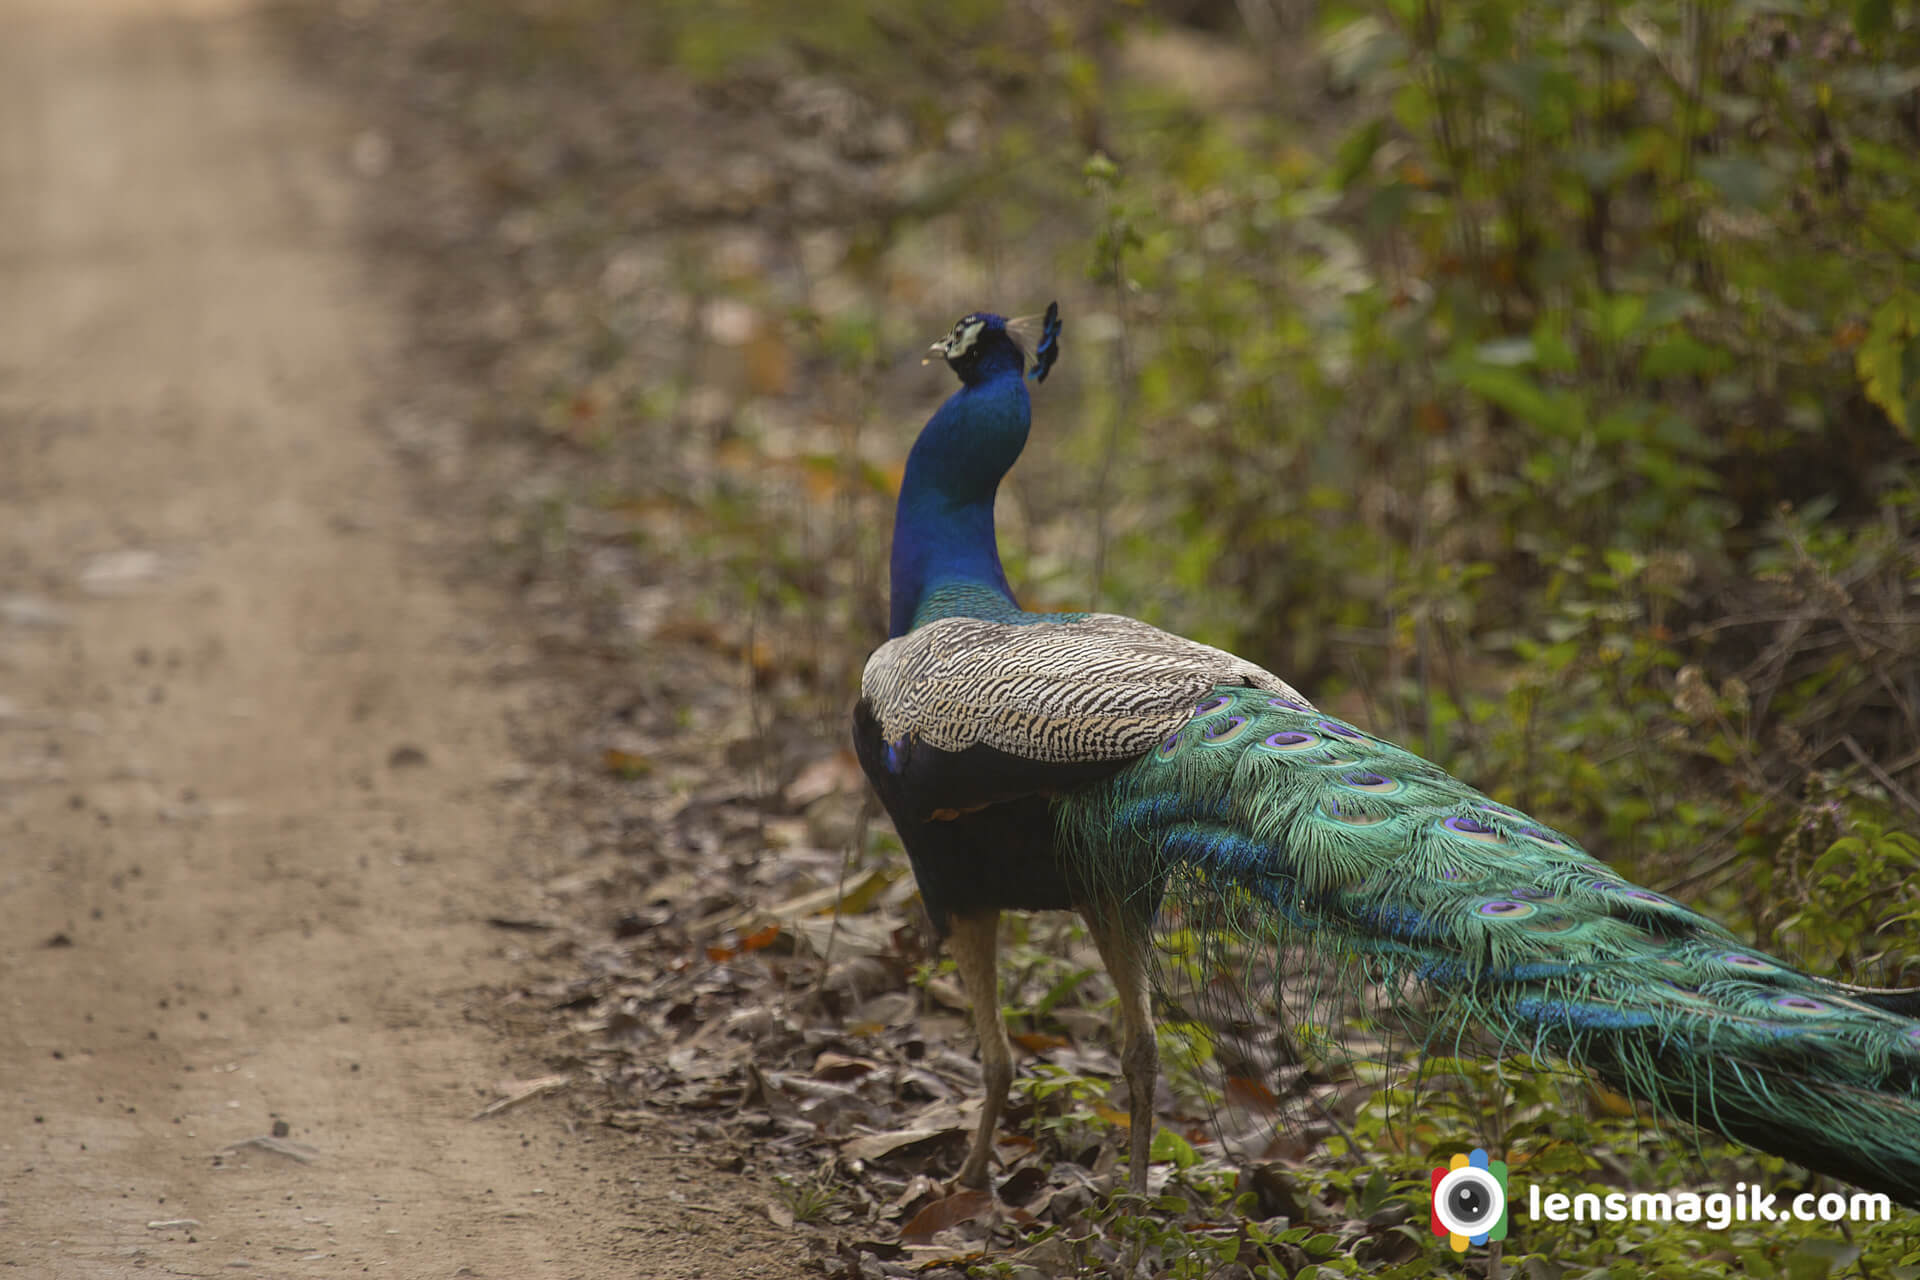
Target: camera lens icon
{"points": [[1470, 1200]]}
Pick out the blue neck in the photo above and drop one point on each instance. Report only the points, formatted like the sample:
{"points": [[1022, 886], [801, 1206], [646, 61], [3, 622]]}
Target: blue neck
{"points": [[946, 560]]}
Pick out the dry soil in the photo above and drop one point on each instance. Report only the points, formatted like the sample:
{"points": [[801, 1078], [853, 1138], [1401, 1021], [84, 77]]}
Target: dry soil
{"points": [[258, 794]]}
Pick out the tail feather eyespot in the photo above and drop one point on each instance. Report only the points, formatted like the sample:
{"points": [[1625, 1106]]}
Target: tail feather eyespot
{"points": [[1224, 732], [1471, 829], [1291, 740]]}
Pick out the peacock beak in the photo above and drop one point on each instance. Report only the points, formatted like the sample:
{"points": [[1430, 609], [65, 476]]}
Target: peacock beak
{"points": [[937, 349]]}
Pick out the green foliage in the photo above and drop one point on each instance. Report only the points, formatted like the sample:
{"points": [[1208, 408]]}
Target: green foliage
{"points": [[1064, 1113], [807, 1199], [1527, 357], [1889, 360]]}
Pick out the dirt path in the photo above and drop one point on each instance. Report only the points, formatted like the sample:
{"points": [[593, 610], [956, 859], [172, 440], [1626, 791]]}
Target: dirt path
{"points": [[255, 778]]}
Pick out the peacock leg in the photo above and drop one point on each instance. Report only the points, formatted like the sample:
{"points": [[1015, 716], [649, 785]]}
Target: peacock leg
{"points": [[975, 944], [1139, 1051]]}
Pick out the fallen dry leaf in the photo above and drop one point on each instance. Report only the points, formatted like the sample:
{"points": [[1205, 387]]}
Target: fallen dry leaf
{"points": [[838, 1066], [919, 1187], [838, 771], [626, 764], [941, 1214], [1250, 1093], [872, 1146], [1039, 1041]]}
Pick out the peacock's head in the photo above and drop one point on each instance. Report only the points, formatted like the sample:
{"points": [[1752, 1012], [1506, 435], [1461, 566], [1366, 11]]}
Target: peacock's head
{"points": [[983, 344]]}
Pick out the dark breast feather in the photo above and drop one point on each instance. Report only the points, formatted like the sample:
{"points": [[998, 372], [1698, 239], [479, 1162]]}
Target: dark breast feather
{"points": [[977, 824]]}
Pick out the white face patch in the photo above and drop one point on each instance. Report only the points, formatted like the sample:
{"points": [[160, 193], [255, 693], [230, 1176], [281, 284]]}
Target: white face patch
{"points": [[961, 340]]}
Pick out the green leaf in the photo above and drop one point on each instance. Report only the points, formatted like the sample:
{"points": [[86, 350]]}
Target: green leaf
{"points": [[1060, 990], [1603, 166], [1522, 81], [1818, 1258], [1170, 1146], [1743, 180], [1373, 1193], [1321, 1245], [1624, 564], [1355, 154], [1872, 18], [1100, 170], [1681, 355], [1620, 317], [1887, 358], [1552, 352], [1664, 306]]}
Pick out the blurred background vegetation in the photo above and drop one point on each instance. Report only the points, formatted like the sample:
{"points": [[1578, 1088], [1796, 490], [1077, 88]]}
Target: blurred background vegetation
{"points": [[1535, 384]]}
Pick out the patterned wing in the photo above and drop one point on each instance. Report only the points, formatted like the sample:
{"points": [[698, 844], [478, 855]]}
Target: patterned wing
{"points": [[1095, 688]]}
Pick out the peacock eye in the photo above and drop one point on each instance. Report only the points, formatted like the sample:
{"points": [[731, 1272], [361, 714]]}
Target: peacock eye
{"points": [[1291, 740], [1471, 829], [1218, 732]]}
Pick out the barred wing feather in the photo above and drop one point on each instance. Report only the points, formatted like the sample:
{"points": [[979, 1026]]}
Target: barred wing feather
{"points": [[1084, 689]]}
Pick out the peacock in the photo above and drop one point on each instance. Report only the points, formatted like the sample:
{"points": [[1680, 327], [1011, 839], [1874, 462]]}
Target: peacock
{"points": [[1094, 763]]}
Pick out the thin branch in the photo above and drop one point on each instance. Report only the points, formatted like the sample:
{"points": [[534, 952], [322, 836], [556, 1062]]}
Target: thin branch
{"points": [[856, 844], [1894, 789]]}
